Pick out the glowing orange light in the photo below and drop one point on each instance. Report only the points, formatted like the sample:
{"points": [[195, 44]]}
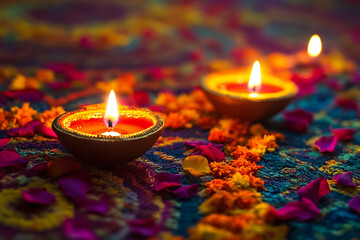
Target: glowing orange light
{"points": [[314, 47], [112, 114], [254, 84]]}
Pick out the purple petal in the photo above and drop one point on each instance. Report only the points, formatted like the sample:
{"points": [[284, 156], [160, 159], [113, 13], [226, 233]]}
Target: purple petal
{"points": [[315, 190], [297, 120], [4, 141], [77, 229], [354, 204], [299, 113], [96, 206], [47, 132], [10, 158], [326, 144], [38, 196], [186, 191], [302, 210], [198, 143], [20, 132], [345, 179], [61, 67], [344, 134], [76, 186], [144, 227], [164, 180], [26, 95], [37, 169], [32, 125]]}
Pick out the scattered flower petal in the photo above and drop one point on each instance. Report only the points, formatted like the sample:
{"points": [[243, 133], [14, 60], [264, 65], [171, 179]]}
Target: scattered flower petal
{"points": [[76, 186], [37, 169], [326, 144], [144, 227], [345, 179], [77, 229], [62, 166], [96, 206], [165, 181], [26, 95], [20, 132], [32, 124], [354, 204], [197, 165], [38, 196], [4, 142], [10, 158], [208, 150], [186, 191], [302, 210], [297, 120], [344, 134], [141, 98], [348, 104], [47, 132], [315, 190]]}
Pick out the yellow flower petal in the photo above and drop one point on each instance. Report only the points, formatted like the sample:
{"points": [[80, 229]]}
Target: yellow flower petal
{"points": [[197, 165]]}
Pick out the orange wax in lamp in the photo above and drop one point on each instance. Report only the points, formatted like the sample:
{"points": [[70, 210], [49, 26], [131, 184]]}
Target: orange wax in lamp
{"points": [[236, 95], [110, 135]]}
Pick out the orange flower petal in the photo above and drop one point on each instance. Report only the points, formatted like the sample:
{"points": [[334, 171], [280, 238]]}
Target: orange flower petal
{"points": [[197, 165]]}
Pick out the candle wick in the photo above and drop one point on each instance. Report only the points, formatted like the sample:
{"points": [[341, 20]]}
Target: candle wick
{"points": [[110, 125], [254, 88]]}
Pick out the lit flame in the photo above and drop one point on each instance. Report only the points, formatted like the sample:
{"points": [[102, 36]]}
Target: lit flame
{"points": [[314, 47], [111, 115], [254, 84]]}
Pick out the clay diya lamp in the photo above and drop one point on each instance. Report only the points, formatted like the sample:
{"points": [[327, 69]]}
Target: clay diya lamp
{"points": [[108, 135], [257, 99]]}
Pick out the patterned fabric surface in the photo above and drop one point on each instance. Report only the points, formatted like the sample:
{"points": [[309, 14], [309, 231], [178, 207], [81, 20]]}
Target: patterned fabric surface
{"points": [[62, 55]]}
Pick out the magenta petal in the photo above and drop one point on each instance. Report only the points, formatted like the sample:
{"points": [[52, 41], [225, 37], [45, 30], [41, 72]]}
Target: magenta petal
{"points": [[348, 104], [26, 95], [10, 158], [302, 210], [198, 143], [354, 204], [4, 141], [344, 134], [315, 190], [20, 132], [186, 191], [37, 169], [326, 144], [77, 229], [144, 227], [164, 180], [344, 179], [38, 196], [211, 153], [96, 206], [299, 113], [76, 186], [297, 120], [47, 132], [32, 125]]}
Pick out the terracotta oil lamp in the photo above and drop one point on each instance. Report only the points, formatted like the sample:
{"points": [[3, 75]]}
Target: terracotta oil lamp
{"points": [[233, 95], [108, 135]]}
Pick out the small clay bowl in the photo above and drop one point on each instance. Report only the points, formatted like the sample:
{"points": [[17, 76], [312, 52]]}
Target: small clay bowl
{"points": [[242, 105], [107, 151]]}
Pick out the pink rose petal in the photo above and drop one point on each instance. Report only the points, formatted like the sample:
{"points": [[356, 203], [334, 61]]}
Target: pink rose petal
{"points": [[96, 206], [326, 144], [166, 181], [144, 227], [297, 120], [315, 190], [32, 125], [348, 104], [47, 132], [4, 142], [354, 204], [10, 158], [26, 95], [76, 186], [78, 229], [38, 196], [302, 210], [20, 132], [186, 191], [208, 150], [344, 134], [37, 169], [345, 179]]}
